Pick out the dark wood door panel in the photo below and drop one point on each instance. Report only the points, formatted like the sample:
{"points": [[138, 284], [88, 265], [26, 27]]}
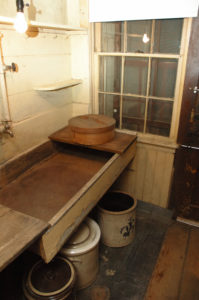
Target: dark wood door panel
{"points": [[191, 80], [185, 194], [185, 188]]}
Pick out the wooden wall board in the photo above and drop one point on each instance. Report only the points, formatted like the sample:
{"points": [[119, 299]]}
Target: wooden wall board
{"points": [[18, 231], [166, 277], [118, 144], [190, 280]]}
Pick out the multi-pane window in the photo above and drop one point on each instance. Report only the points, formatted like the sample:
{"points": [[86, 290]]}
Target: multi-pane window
{"points": [[138, 66]]}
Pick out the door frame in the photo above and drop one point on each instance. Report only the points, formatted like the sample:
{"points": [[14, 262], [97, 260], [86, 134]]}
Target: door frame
{"points": [[191, 80]]}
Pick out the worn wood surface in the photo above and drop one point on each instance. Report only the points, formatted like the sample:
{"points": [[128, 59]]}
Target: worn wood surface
{"points": [[118, 144], [190, 280], [12, 169], [63, 188], [72, 214], [44, 189], [18, 231], [166, 278]]}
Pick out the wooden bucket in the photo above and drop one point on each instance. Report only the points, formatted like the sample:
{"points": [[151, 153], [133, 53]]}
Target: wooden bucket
{"points": [[92, 129]]}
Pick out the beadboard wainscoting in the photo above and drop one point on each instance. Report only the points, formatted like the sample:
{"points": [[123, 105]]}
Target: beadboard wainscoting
{"points": [[149, 176]]}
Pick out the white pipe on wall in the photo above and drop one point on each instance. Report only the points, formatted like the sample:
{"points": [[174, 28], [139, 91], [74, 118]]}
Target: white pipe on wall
{"points": [[5, 106], [6, 118]]}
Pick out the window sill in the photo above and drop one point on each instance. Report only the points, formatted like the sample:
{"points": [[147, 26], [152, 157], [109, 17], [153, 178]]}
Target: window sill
{"points": [[153, 140]]}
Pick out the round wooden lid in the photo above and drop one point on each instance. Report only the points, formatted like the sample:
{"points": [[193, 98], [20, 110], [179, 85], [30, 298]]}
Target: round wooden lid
{"points": [[91, 123]]}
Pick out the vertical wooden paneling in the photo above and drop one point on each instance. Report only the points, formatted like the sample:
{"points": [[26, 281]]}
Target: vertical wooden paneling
{"points": [[158, 177], [140, 172], [124, 182], [149, 176], [167, 179]]}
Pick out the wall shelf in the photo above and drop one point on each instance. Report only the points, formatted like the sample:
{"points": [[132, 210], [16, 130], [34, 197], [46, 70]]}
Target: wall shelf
{"points": [[7, 20], [55, 26], [58, 85]]}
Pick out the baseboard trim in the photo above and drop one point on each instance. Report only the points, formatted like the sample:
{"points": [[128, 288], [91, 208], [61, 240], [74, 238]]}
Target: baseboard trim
{"points": [[187, 221]]}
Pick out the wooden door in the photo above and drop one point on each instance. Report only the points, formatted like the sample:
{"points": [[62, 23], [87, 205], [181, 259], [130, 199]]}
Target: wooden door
{"points": [[185, 190]]}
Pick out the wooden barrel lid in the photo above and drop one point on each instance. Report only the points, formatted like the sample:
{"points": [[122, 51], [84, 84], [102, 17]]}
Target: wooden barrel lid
{"points": [[91, 123]]}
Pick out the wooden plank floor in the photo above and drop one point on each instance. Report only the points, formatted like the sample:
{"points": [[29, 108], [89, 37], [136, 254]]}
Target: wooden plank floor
{"points": [[176, 274]]}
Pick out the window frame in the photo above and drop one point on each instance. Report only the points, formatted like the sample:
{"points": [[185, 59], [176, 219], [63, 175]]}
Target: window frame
{"points": [[181, 57]]}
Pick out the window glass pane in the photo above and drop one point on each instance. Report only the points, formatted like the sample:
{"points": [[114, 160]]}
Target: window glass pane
{"points": [[168, 36], [110, 74], [159, 117], [135, 75], [110, 105], [133, 110], [135, 34], [163, 77], [111, 36]]}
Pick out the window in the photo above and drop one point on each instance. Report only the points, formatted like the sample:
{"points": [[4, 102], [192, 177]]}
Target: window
{"points": [[138, 67]]}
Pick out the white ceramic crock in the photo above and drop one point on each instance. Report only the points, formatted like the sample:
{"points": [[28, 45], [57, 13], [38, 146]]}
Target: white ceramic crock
{"points": [[116, 218], [52, 281], [82, 251]]}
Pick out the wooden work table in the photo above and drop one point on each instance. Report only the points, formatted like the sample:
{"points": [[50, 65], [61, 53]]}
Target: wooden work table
{"points": [[50, 199]]}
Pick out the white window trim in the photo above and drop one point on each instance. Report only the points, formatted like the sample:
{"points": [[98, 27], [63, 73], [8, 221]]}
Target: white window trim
{"points": [[182, 56]]}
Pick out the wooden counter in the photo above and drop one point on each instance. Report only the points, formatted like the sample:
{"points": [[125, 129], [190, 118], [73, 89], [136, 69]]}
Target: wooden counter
{"points": [[60, 191]]}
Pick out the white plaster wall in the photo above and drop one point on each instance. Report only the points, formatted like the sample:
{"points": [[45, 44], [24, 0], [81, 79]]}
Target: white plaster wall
{"points": [[48, 11], [80, 69], [42, 58], [73, 12]]}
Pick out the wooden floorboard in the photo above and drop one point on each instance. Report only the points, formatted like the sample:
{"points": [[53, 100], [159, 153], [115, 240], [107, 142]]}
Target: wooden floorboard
{"points": [[189, 288], [166, 278]]}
